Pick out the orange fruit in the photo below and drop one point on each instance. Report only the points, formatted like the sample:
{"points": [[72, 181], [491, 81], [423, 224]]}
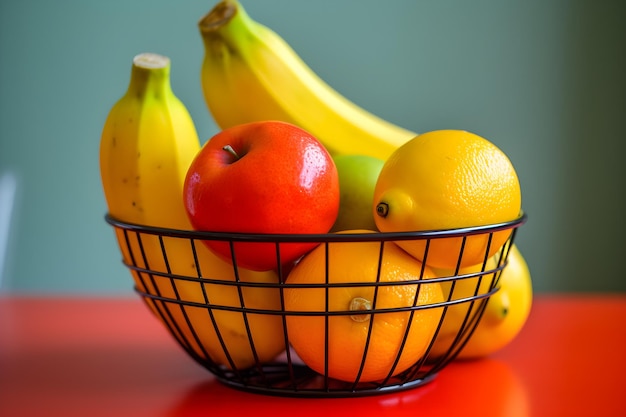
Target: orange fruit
{"points": [[447, 179], [505, 313], [355, 329]]}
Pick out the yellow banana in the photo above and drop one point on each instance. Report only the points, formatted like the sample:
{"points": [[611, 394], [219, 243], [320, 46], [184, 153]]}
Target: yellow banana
{"points": [[147, 144], [249, 73]]}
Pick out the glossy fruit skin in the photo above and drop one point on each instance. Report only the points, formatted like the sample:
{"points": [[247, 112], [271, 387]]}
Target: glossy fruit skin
{"points": [[357, 179], [344, 336], [282, 180], [448, 179]]}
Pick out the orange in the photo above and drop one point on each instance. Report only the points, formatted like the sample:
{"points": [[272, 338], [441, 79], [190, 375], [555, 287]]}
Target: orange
{"points": [[358, 330], [447, 179], [505, 313], [199, 316]]}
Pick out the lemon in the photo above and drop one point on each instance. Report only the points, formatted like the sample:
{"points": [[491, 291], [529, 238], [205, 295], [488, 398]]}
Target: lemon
{"points": [[505, 314], [447, 179]]}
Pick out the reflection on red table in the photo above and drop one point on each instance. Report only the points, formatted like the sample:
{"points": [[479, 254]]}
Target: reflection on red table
{"points": [[110, 357]]}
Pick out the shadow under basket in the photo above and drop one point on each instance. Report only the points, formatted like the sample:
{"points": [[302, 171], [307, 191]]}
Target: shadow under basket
{"points": [[236, 323]]}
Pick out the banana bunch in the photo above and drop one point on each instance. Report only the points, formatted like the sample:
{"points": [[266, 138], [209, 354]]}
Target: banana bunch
{"points": [[249, 73], [147, 144]]}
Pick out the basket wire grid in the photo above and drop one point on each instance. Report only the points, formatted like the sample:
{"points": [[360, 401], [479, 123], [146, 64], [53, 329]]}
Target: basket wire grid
{"points": [[179, 289]]}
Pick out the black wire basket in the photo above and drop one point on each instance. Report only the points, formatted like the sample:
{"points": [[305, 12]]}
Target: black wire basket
{"points": [[240, 326]]}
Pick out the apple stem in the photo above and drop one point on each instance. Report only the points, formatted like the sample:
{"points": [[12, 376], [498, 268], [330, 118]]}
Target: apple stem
{"points": [[231, 151]]}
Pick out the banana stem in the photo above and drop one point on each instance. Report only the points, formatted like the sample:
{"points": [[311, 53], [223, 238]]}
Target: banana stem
{"points": [[150, 76], [151, 61], [218, 16]]}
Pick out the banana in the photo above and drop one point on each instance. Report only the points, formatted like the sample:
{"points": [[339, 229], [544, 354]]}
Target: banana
{"points": [[147, 144], [249, 73]]}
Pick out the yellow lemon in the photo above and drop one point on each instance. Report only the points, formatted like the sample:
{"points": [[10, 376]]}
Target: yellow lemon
{"points": [[447, 179], [505, 314]]}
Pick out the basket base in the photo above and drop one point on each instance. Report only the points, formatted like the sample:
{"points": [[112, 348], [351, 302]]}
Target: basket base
{"points": [[301, 381]]}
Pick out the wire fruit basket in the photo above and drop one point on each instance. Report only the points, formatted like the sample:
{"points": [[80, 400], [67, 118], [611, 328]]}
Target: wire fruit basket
{"points": [[237, 323]]}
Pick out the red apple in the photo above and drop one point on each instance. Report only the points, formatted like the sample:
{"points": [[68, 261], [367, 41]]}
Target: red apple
{"points": [[262, 178]]}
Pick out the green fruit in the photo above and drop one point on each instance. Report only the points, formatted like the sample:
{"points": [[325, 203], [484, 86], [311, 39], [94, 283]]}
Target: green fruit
{"points": [[357, 179]]}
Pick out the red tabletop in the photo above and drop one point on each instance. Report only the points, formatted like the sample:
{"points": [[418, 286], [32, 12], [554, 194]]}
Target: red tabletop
{"points": [[67, 356]]}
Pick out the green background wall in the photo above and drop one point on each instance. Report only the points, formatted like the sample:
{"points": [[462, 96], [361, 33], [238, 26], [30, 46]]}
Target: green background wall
{"points": [[544, 80]]}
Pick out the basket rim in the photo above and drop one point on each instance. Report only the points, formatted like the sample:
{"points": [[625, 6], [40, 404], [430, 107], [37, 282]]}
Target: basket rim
{"points": [[317, 237]]}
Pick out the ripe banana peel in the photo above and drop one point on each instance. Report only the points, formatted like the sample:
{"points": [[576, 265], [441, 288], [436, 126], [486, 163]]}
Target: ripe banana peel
{"points": [[147, 144], [249, 73]]}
